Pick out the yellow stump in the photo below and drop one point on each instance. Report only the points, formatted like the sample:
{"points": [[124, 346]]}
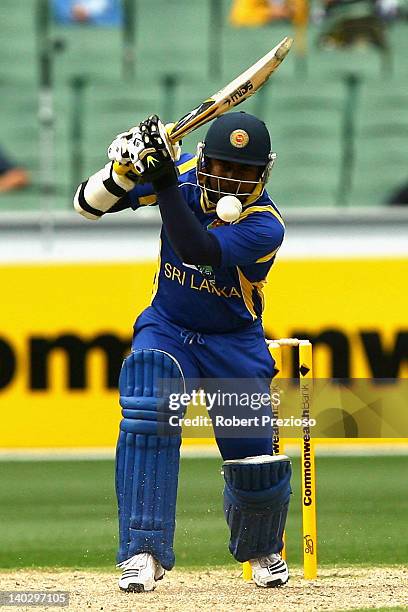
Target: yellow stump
{"points": [[308, 472]]}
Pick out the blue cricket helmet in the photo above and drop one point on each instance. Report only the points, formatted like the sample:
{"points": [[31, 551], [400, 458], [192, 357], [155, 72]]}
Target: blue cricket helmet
{"points": [[238, 137], [241, 138]]}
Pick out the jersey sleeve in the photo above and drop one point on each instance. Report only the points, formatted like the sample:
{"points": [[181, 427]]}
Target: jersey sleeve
{"points": [[143, 195], [254, 238]]}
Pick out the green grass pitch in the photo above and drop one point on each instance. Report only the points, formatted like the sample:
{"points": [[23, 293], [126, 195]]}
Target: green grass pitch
{"points": [[63, 513]]}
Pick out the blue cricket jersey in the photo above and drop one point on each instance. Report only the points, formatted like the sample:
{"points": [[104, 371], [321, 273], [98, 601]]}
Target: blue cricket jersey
{"points": [[223, 299]]}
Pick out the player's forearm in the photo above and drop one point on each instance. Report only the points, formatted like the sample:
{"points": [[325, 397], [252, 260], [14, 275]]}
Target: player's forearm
{"points": [[192, 243], [105, 191]]}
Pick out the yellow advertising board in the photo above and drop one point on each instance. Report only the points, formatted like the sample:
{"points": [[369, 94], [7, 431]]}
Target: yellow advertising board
{"points": [[65, 327]]}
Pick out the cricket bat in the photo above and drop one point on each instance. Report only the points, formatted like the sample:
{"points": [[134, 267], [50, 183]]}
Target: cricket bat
{"points": [[240, 89]]}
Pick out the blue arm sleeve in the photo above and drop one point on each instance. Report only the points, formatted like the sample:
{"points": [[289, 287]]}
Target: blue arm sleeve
{"points": [[192, 243], [256, 237]]}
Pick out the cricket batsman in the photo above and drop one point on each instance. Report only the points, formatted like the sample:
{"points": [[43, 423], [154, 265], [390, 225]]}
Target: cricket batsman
{"points": [[220, 235]]}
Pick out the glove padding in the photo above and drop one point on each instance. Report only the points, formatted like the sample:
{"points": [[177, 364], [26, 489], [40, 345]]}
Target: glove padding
{"points": [[145, 153], [151, 154], [118, 150], [119, 154]]}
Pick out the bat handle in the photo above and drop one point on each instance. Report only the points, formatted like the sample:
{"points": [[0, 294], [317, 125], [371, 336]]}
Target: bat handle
{"points": [[172, 143]]}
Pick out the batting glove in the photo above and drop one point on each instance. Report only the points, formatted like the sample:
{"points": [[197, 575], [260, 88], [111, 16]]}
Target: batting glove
{"points": [[152, 155]]}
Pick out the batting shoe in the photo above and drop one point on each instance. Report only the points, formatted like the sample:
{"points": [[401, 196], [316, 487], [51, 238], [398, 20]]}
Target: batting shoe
{"points": [[270, 571], [140, 573]]}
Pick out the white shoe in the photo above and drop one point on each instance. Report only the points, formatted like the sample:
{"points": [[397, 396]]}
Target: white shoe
{"points": [[140, 573], [270, 571]]}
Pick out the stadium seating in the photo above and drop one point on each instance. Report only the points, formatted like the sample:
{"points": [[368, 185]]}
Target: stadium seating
{"points": [[380, 143], [306, 105]]}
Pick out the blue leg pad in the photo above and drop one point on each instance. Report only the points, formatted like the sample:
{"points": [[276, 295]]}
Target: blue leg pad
{"points": [[147, 461], [256, 500]]}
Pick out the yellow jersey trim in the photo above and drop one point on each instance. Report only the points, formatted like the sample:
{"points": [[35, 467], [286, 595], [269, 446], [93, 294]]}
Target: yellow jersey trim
{"points": [[259, 288], [255, 195], [156, 276], [188, 165], [206, 206], [267, 257], [246, 291], [254, 209]]}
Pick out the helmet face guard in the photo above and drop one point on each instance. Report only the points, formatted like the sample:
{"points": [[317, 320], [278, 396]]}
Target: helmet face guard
{"points": [[239, 138], [247, 191]]}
